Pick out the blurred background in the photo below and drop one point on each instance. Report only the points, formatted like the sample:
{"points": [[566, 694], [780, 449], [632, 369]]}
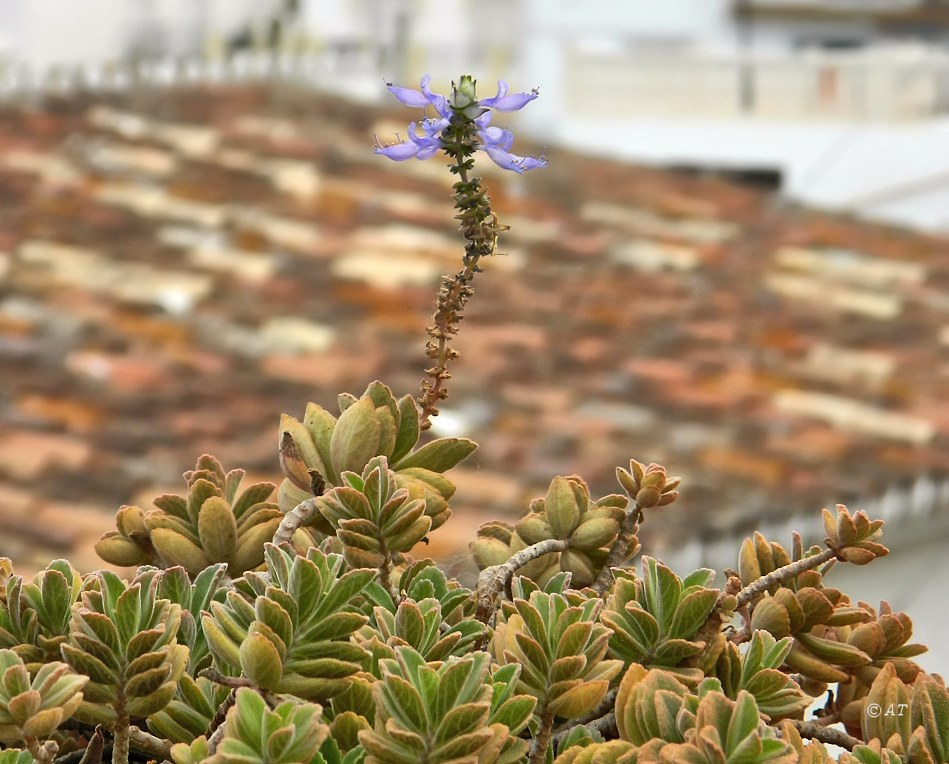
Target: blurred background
{"points": [[735, 263]]}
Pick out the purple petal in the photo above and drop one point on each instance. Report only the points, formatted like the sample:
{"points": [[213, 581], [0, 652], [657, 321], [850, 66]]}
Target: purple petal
{"points": [[504, 102], [428, 151], [496, 137], [408, 96], [514, 101], [438, 101], [508, 161], [397, 151], [432, 127]]}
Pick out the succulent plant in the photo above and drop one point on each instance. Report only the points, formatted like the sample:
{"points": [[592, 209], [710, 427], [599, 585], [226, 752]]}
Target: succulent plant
{"points": [[727, 731], [568, 513], [16, 756], [32, 709], [376, 424], [290, 733], [655, 618], [854, 536], [810, 752], [190, 712], [35, 616], [912, 720], [560, 646], [757, 671], [375, 520], [123, 639], [802, 607], [648, 485], [212, 523], [648, 704], [294, 635], [442, 712], [603, 752], [194, 598], [872, 753]]}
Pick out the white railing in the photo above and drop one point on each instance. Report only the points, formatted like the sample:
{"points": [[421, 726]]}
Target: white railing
{"points": [[874, 84]]}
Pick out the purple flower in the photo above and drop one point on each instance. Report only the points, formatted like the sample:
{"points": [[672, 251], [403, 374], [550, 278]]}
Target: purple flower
{"points": [[495, 141]]}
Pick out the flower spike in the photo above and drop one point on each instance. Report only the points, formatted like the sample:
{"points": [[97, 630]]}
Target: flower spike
{"points": [[463, 108]]}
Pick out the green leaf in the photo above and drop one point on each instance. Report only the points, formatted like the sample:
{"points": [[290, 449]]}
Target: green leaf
{"points": [[408, 432], [661, 589], [355, 438], [744, 720], [692, 612], [439, 455], [515, 713]]}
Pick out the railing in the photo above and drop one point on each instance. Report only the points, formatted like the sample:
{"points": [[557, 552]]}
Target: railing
{"points": [[877, 85]]}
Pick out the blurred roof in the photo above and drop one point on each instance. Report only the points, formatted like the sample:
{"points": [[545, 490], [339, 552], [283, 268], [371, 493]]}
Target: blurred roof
{"points": [[178, 267]]}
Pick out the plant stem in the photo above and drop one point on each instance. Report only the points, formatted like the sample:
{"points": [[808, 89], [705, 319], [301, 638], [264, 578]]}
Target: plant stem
{"points": [[120, 734], [295, 519], [541, 741], [789, 571], [620, 548], [151, 746], [44, 753], [605, 725], [480, 229], [385, 569], [495, 579], [825, 734]]}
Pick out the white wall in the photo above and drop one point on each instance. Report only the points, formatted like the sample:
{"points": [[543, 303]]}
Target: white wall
{"points": [[46, 32]]}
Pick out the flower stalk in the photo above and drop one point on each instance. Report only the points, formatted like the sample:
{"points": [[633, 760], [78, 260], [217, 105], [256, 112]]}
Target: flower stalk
{"points": [[462, 127]]}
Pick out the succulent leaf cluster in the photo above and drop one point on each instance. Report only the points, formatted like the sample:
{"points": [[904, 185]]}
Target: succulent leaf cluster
{"points": [[34, 707], [561, 647], [669, 723], [910, 720], [757, 670], [372, 517], [213, 522], [35, 616], [568, 513], [290, 733], [804, 608], [321, 448], [123, 637], [289, 630], [655, 618], [448, 711]]}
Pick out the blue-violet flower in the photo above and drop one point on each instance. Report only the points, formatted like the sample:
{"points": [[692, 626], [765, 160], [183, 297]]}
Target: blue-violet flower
{"points": [[462, 106]]}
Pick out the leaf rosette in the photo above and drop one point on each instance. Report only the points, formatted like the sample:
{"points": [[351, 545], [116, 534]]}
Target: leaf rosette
{"points": [[322, 447], [288, 630], [214, 522], [560, 646], [655, 618], [123, 639]]}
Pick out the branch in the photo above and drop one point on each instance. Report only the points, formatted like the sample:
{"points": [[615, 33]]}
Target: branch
{"points": [[151, 746], [495, 579], [541, 741], [295, 519], [620, 548], [791, 570], [603, 708], [825, 734], [605, 725]]}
